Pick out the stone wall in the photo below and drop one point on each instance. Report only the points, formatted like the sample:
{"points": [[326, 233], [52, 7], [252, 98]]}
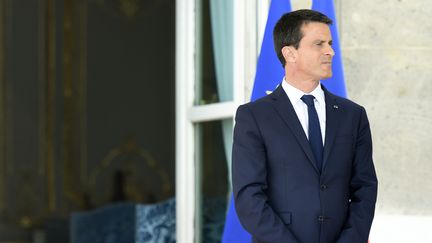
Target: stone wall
{"points": [[388, 69]]}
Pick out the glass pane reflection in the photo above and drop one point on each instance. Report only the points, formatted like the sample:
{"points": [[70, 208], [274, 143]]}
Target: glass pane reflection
{"points": [[213, 53], [212, 180]]}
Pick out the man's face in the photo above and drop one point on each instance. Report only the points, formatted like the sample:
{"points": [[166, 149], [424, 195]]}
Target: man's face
{"points": [[314, 55]]}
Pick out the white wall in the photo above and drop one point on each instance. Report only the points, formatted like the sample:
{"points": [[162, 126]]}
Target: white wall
{"points": [[388, 68]]}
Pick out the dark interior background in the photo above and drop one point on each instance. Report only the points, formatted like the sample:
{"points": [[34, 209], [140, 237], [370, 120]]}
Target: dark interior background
{"points": [[87, 109]]}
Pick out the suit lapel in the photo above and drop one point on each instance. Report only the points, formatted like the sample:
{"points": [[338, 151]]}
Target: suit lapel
{"points": [[333, 113], [286, 111]]}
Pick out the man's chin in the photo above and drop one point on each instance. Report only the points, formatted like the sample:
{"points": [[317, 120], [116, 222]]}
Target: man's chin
{"points": [[327, 76]]}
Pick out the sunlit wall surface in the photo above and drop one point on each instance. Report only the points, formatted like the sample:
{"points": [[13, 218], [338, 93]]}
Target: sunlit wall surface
{"points": [[388, 68]]}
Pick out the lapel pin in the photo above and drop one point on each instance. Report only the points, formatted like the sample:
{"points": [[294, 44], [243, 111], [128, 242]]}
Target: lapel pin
{"points": [[335, 107]]}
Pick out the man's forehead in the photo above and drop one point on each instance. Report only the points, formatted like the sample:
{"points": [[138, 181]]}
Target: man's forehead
{"points": [[316, 30]]}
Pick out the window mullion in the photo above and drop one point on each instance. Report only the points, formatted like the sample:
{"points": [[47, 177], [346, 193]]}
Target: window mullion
{"points": [[212, 112], [185, 76]]}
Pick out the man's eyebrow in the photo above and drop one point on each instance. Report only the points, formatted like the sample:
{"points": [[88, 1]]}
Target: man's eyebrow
{"points": [[323, 41]]}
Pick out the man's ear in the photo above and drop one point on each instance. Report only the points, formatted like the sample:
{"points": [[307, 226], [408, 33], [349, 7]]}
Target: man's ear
{"points": [[289, 53]]}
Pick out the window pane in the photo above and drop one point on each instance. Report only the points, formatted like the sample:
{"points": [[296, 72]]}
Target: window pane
{"points": [[212, 179], [214, 62]]}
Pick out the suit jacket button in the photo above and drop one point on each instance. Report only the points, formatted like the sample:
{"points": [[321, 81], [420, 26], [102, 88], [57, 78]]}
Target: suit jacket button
{"points": [[320, 218], [323, 187]]}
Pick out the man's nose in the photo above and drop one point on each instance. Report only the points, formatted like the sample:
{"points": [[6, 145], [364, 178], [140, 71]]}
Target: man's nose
{"points": [[329, 51]]}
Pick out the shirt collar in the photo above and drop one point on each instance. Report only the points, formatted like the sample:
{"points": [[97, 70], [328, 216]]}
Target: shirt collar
{"points": [[295, 94]]}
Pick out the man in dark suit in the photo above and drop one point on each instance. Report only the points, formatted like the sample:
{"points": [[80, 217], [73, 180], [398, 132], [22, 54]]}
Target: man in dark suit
{"points": [[302, 157]]}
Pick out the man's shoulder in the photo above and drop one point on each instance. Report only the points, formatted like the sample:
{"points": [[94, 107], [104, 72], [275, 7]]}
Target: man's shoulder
{"points": [[258, 104], [345, 102]]}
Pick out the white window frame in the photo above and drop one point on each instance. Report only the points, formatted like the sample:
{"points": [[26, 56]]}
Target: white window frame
{"points": [[248, 28]]}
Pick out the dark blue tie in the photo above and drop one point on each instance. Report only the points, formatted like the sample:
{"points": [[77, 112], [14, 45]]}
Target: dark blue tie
{"points": [[315, 137]]}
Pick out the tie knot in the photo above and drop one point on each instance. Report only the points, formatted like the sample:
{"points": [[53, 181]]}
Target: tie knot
{"points": [[309, 100]]}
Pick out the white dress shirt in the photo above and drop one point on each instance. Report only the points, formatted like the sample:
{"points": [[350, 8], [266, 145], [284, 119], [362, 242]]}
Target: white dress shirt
{"points": [[301, 108]]}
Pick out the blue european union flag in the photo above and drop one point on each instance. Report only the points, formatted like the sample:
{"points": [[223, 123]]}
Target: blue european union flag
{"points": [[268, 75], [269, 71]]}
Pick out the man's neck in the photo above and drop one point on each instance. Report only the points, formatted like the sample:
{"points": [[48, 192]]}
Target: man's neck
{"points": [[307, 86]]}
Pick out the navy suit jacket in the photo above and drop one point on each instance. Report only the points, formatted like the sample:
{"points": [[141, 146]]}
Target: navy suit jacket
{"points": [[280, 196]]}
